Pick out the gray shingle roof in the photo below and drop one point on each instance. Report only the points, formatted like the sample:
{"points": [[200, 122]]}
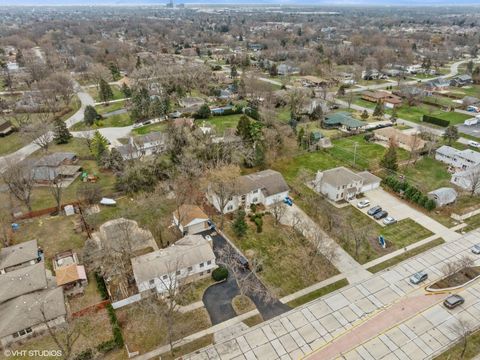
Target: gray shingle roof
{"points": [[22, 281], [340, 176], [18, 254], [269, 181]]}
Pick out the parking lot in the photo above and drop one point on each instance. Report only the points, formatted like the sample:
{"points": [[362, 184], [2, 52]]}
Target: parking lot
{"points": [[400, 210]]}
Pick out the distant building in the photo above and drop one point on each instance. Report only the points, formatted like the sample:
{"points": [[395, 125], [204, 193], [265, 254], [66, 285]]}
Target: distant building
{"points": [[443, 196], [344, 121], [388, 100]]}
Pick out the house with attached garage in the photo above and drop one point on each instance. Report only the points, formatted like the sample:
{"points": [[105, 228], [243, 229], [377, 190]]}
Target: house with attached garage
{"points": [[190, 219], [264, 187], [189, 259], [144, 145], [340, 183]]}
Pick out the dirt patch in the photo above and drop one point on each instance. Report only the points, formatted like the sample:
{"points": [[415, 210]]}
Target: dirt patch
{"points": [[457, 279]]}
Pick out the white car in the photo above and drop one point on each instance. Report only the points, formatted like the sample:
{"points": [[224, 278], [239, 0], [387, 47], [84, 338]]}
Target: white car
{"points": [[389, 220], [363, 204], [208, 237], [474, 144]]}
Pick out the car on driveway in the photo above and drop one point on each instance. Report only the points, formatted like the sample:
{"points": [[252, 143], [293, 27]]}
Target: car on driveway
{"points": [[476, 249], [242, 261], [389, 220], [380, 215], [374, 210], [418, 277], [453, 301], [363, 204], [288, 200]]}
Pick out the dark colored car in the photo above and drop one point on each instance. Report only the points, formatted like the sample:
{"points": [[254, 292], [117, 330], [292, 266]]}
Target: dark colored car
{"points": [[453, 301], [242, 262], [374, 210], [380, 215]]}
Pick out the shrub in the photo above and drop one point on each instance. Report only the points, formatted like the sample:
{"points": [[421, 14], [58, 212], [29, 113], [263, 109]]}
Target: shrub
{"points": [[220, 273], [253, 207], [117, 335], [259, 224], [430, 205], [102, 288], [239, 226]]}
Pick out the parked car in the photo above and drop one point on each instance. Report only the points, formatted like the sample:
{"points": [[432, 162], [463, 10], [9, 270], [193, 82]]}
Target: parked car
{"points": [[363, 204], [288, 200], [474, 144], [242, 262], [453, 301], [380, 215], [418, 277], [389, 220], [374, 210], [476, 249]]}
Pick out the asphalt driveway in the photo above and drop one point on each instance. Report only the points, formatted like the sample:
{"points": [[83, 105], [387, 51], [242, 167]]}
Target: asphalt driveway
{"points": [[218, 298]]}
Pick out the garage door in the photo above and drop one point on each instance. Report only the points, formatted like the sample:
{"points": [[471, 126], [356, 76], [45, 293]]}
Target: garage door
{"points": [[196, 228]]}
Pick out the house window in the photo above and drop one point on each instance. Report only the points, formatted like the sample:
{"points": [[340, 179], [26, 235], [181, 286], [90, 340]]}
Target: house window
{"points": [[255, 200], [209, 262], [229, 207], [201, 273], [202, 265], [164, 277], [178, 272], [190, 268], [152, 282]]}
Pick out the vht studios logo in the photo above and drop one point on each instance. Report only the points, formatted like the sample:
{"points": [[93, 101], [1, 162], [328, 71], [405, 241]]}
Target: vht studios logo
{"points": [[32, 353]]}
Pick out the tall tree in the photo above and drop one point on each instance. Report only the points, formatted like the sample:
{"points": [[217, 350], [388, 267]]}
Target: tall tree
{"points": [[90, 115], [99, 145], [378, 111], [105, 92], [18, 177], [61, 134], [222, 185], [243, 128], [389, 160], [451, 134]]}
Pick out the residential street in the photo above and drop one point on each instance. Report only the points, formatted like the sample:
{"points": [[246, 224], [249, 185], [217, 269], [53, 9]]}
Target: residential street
{"points": [[29, 149], [325, 321]]}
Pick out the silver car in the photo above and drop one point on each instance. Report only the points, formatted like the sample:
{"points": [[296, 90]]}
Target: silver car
{"points": [[389, 220], [418, 277], [476, 249]]}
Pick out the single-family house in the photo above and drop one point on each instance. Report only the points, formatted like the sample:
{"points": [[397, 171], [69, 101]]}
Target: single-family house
{"points": [[343, 184], [461, 80], [470, 100], [69, 274], [29, 314], [387, 99], [443, 196], [409, 142], [189, 259], [187, 122], [461, 159], [144, 145], [6, 128], [190, 219], [343, 121], [56, 167], [468, 180], [439, 84], [18, 256], [265, 187]]}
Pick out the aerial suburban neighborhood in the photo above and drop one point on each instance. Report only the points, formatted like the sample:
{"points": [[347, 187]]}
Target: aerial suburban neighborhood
{"points": [[254, 180]]}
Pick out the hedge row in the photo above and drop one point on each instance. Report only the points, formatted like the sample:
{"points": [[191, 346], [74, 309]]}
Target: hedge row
{"points": [[435, 121], [102, 288], [410, 192]]}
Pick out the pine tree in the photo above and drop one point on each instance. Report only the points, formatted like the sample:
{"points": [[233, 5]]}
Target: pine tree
{"points": [[90, 115], [99, 145], [105, 92], [127, 92], [273, 70], [117, 163], [203, 113], [364, 115], [239, 226], [394, 116], [300, 136], [243, 128], [389, 160], [378, 112], [61, 133]]}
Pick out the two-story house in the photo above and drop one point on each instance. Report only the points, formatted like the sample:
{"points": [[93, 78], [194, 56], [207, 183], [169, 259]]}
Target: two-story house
{"points": [[162, 271], [139, 146], [343, 184], [265, 187]]}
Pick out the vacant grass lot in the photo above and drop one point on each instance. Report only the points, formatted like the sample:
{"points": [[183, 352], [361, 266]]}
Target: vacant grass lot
{"points": [[427, 174], [285, 256], [117, 93], [221, 123]]}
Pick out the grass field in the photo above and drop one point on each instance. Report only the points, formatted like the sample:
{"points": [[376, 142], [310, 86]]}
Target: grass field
{"points": [[455, 352], [149, 128], [408, 254], [427, 174], [103, 109], [221, 123], [117, 93], [284, 255]]}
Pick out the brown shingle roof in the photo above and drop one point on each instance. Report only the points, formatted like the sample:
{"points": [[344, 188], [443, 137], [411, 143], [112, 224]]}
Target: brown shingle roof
{"points": [[187, 213]]}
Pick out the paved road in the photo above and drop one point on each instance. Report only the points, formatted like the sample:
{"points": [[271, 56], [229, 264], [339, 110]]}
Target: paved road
{"points": [[218, 298], [314, 325], [29, 149], [347, 265]]}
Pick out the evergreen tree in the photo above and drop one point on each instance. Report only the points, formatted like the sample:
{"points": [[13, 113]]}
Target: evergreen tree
{"points": [[317, 114], [239, 226], [300, 136], [127, 92], [476, 75], [394, 116], [259, 154], [138, 64], [273, 71], [90, 115], [378, 111], [140, 104], [203, 113], [19, 58], [243, 128], [451, 134], [114, 70], [364, 115], [99, 145], [389, 160], [61, 133], [105, 92]]}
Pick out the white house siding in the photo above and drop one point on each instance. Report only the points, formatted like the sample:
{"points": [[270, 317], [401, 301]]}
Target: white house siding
{"points": [[445, 159], [272, 199], [162, 285], [253, 197], [369, 187], [196, 228]]}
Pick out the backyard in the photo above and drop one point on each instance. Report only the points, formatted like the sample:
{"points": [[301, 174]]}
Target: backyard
{"points": [[221, 123]]}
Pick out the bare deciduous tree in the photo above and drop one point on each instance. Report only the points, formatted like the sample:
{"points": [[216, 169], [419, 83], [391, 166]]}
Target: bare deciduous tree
{"points": [[473, 179], [458, 264], [56, 189], [278, 209], [19, 178]]}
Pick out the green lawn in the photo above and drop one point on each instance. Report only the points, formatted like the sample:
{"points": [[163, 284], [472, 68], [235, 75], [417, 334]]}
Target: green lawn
{"points": [[119, 120], [117, 93], [284, 255], [404, 232], [398, 259], [318, 293], [221, 123], [150, 128], [472, 223], [415, 113], [11, 143], [103, 109], [427, 174]]}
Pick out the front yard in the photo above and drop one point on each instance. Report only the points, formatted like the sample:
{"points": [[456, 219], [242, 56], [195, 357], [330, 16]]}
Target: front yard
{"points": [[288, 259]]}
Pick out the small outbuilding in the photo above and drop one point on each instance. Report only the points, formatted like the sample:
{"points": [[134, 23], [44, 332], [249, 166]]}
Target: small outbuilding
{"points": [[443, 196]]}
